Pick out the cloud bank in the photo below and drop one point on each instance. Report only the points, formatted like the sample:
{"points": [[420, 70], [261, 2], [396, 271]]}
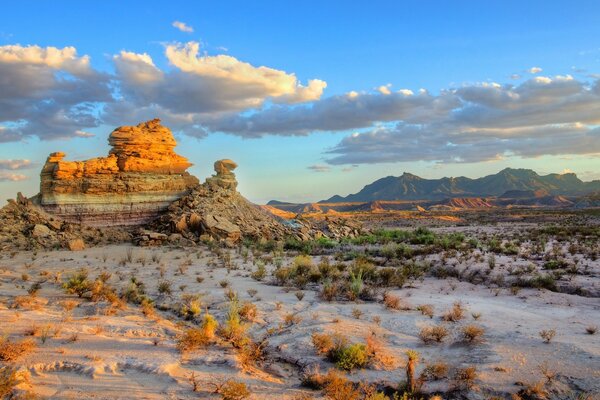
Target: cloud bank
{"points": [[52, 93]]}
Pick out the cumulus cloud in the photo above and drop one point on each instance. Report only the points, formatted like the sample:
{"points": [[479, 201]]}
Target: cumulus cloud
{"points": [[48, 92], [15, 164], [199, 87], [11, 177], [534, 70], [183, 27], [319, 168]]}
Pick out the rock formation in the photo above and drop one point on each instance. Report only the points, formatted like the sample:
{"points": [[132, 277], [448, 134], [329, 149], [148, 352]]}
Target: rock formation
{"points": [[224, 176], [138, 180], [216, 211]]}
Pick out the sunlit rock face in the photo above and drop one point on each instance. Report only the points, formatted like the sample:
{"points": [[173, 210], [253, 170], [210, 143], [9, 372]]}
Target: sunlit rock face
{"points": [[140, 177]]}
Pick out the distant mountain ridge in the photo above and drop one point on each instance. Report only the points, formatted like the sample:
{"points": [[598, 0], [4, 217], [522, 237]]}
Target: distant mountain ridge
{"points": [[509, 181]]}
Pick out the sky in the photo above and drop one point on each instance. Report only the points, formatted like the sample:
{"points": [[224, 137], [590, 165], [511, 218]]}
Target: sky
{"points": [[310, 98]]}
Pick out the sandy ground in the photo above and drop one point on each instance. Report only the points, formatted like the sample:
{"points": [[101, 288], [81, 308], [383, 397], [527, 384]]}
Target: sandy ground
{"points": [[128, 355]]}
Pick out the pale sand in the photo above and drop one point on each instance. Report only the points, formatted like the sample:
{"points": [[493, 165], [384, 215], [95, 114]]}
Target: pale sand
{"points": [[114, 356]]}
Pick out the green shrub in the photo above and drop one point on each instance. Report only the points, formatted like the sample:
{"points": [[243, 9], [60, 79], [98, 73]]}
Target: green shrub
{"points": [[352, 357], [78, 284]]}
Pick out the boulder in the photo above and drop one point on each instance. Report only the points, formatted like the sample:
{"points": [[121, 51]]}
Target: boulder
{"points": [[40, 231]]}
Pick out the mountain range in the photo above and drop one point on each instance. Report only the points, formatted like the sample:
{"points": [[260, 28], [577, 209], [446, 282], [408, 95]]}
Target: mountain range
{"points": [[509, 182]]}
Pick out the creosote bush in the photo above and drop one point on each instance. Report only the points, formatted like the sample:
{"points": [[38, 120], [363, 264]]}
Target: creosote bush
{"points": [[346, 356]]}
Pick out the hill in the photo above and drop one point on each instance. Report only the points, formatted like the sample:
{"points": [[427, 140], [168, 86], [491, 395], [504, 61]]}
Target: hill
{"points": [[509, 182]]}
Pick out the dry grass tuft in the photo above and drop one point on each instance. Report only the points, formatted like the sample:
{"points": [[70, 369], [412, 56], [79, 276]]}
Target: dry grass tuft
{"points": [[455, 314], [472, 333], [192, 339], [426, 309], [547, 335], [431, 334], [11, 351]]}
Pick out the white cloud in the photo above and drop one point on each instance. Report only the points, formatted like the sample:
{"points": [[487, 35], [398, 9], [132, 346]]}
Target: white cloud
{"points": [[83, 134], [319, 168], [199, 87], [47, 92], [384, 89], [534, 70], [183, 27], [263, 81], [15, 164], [11, 177]]}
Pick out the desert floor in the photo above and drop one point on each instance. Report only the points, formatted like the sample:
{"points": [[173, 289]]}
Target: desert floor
{"points": [[95, 351]]}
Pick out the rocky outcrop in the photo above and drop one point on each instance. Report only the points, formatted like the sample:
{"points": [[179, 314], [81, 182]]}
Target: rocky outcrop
{"points": [[216, 211], [25, 226], [224, 177], [139, 179]]}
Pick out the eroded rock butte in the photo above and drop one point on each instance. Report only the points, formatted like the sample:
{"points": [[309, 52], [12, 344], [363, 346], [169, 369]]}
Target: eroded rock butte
{"points": [[138, 180]]}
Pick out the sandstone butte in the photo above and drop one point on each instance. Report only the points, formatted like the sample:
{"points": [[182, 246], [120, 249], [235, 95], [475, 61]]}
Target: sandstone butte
{"points": [[140, 178]]}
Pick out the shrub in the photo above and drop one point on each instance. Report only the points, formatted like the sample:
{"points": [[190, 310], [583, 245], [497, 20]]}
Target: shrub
{"points": [[192, 339], [352, 357], [248, 311], [135, 291], [209, 326], [426, 309], [430, 334], [464, 378], [435, 371], [78, 284], [455, 314], [11, 351], [190, 306], [356, 285], [472, 333], [329, 291], [547, 335], [9, 378], [322, 342], [234, 330], [260, 272], [392, 302], [164, 287], [357, 313], [252, 352], [232, 390]]}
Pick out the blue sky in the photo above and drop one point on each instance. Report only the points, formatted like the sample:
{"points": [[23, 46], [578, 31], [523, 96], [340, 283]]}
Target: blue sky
{"points": [[463, 53]]}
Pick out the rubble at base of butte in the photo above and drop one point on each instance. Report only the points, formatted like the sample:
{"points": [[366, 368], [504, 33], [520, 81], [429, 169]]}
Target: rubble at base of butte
{"points": [[216, 211], [25, 226], [142, 191]]}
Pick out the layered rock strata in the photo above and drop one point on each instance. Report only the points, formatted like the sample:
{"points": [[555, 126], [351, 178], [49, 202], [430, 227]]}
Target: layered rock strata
{"points": [[139, 179]]}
